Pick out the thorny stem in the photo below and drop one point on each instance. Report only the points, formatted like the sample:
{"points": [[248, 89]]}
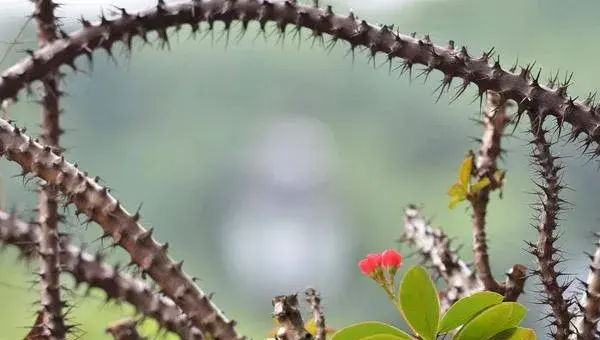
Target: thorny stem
{"points": [[453, 63], [37, 331], [586, 323], [100, 206], [548, 209], [515, 282], [287, 313], [89, 269], [124, 330], [433, 244], [48, 195], [494, 121], [314, 300]]}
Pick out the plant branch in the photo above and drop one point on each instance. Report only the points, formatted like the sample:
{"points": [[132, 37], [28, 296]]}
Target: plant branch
{"points": [[314, 300], [433, 244], [495, 119], [586, 324], [287, 313], [49, 217], [124, 330], [89, 269], [515, 282], [548, 209], [100, 206], [519, 87]]}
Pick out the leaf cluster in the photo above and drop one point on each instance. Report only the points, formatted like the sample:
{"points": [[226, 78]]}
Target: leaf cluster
{"points": [[481, 316]]}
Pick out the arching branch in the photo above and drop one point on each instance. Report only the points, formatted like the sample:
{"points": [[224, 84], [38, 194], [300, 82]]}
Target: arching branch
{"points": [[100, 206], [89, 269], [453, 63]]}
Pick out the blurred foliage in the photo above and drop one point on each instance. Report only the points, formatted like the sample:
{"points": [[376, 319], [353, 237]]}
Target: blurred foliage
{"points": [[166, 128]]}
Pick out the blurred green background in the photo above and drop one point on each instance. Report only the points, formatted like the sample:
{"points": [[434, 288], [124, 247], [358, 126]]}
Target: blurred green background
{"points": [[270, 168]]}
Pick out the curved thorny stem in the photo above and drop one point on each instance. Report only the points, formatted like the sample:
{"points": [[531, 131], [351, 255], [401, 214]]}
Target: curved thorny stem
{"points": [[100, 206], [548, 209], [89, 269], [49, 217], [519, 87], [495, 120]]}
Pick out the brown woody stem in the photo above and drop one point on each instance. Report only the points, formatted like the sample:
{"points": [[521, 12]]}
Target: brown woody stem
{"points": [[287, 313], [586, 324], [89, 269], [124, 330], [494, 122], [314, 300], [101, 207], [515, 282], [548, 209], [433, 244], [453, 63], [49, 217]]}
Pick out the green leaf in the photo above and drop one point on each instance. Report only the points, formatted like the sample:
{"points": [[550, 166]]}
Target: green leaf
{"points": [[466, 308], [517, 333], [384, 337], [457, 194], [370, 328], [419, 302], [493, 321], [477, 187], [466, 167], [458, 191]]}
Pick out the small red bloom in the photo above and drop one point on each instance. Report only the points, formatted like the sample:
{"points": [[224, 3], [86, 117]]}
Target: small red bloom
{"points": [[366, 267], [375, 259], [370, 264], [391, 259]]}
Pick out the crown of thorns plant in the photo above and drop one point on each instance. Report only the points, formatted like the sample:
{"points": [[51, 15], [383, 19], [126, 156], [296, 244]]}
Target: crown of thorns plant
{"points": [[181, 306]]}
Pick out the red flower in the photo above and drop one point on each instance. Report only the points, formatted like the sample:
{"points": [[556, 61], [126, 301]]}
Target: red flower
{"points": [[391, 259], [370, 264], [366, 267], [373, 266], [375, 259]]}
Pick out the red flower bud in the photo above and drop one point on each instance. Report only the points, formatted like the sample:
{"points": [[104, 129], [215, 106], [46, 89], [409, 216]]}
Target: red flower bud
{"points": [[366, 267], [391, 259], [375, 259], [370, 264]]}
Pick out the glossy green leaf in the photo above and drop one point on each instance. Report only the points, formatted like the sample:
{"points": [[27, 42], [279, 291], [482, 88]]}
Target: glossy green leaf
{"points": [[419, 302], [466, 308], [517, 333], [370, 328], [493, 321]]}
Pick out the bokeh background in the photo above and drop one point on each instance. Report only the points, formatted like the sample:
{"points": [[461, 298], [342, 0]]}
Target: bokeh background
{"points": [[270, 168]]}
